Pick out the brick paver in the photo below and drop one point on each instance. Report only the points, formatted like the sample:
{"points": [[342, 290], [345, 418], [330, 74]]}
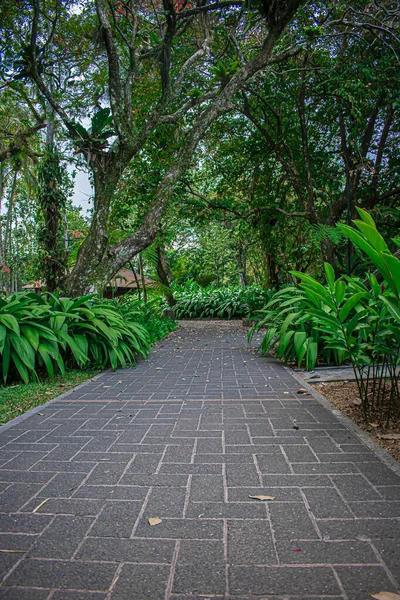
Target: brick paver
{"points": [[187, 437]]}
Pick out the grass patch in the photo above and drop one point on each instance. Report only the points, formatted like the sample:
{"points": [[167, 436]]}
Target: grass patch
{"points": [[17, 399]]}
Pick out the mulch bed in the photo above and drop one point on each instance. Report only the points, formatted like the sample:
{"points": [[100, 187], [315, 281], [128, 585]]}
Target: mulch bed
{"points": [[344, 396]]}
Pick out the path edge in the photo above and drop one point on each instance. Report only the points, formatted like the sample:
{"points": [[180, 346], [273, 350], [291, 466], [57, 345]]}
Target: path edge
{"points": [[381, 453], [40, 407]]}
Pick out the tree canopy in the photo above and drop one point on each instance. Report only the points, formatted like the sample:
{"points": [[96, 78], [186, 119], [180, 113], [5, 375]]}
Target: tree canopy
{"points": [[256, 125]]}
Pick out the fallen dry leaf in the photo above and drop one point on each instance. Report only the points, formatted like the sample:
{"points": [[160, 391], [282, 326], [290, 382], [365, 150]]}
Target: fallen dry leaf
{"points": [[13, 551], [40, 505], [262, 497], [390, 436], [113, 584], [385, 596], [374, 425], [357, 402], [154, 521], [302, 391]]}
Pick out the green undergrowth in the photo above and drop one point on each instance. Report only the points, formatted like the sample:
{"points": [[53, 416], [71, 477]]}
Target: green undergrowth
{"points": [[17, 399]]}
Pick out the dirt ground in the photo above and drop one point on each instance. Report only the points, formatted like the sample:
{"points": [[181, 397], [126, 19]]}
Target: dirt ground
{"points": [[344, 396]]}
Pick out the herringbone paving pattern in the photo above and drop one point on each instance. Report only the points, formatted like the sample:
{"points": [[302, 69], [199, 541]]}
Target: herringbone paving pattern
{"points": [[187, 437]]}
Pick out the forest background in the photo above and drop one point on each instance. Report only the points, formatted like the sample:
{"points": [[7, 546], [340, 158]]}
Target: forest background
{"points": [[228, 137]]}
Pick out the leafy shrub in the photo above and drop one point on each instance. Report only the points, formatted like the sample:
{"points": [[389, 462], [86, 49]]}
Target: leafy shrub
{"points": [[345, 317], [149, 315], [44, 333], [96, 333], [195, 302]]}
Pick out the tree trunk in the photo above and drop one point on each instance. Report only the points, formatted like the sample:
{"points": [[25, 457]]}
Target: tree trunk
{"points": [[97, 263], [142, 279], [241, 261], [165, 275]]}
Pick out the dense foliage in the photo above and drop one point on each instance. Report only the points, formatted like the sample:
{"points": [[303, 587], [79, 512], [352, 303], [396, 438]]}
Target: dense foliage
{"points": [[196, 302], [346, 319], [47, 333]]}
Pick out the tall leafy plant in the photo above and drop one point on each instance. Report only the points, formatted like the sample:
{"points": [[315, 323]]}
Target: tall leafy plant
{"points": [[355, 321]]}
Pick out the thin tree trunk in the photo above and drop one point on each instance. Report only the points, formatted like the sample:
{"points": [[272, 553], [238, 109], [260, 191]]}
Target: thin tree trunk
{"points": [[164, 275], [136, 280], [142, 278]]}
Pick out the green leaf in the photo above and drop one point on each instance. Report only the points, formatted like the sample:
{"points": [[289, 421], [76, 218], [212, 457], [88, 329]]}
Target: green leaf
{"points": [[21, 368], [6, 359], [10, 322], [340, 291], [3, 335], [100, 119], [393, 264], [349, 305], [330, 275], [32, 335], [366, 217], [47, 361], [23, 350], [311, 357], [393, 305]]}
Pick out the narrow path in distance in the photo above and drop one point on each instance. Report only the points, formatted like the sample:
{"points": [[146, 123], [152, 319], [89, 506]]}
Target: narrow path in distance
{"points": [[187, 437]]}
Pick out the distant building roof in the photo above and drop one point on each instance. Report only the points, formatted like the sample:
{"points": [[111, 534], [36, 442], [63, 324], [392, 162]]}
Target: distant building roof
{"points": [[124, 279]]}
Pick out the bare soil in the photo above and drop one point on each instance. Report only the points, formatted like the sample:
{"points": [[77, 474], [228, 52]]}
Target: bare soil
{"points": [[344, 396]]}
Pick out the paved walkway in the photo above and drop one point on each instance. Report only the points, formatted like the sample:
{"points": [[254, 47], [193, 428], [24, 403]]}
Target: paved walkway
{"points": [[187, 437]]}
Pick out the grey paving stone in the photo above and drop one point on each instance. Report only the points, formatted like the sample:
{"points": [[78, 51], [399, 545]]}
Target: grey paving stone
{"points": [[207, 488], [62, 574], [242, 475], [292, 521], [273, 463], [22, 523], [281, 494], [280, 580], [125, 550], [10, 541], [191, 469], [19, 593], [62, 538], [327, 504], [231, 510], [355, 487], [378, 509], [200, 568], [156, 480], [182, 529], [350, 529], [116, 519], [141, 582], [98, 462], [251, 542], [178, 454], [15, 496], [167, 502], [66, 506], [75, 595], [326, 552], [360, 582], [63, 485], [7, 561], [389, 552]]}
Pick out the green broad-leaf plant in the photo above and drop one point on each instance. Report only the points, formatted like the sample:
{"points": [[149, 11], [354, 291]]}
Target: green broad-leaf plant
{"points": [[344, 320]]}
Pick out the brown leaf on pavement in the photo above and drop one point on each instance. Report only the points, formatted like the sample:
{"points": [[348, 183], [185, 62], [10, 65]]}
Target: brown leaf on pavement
{"points": [[40, 505], [385, 596], [154, 521], [262, 497]]}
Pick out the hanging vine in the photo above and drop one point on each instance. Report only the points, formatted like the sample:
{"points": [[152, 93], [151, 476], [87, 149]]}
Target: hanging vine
{"points": [[52, 201]]}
